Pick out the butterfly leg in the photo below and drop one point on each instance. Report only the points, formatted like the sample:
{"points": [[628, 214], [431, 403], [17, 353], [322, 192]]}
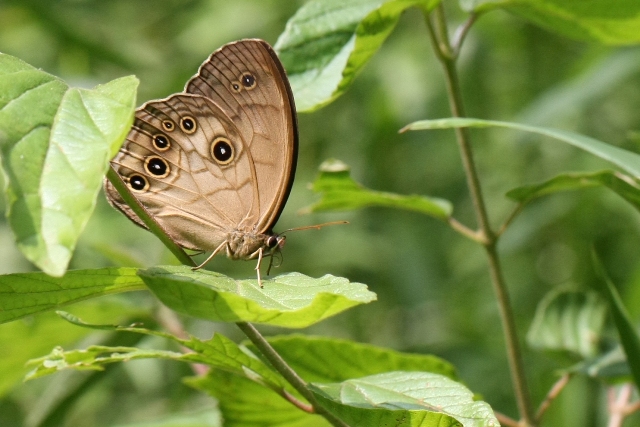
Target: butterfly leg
{"points": [[214, 253], [258, 267]]}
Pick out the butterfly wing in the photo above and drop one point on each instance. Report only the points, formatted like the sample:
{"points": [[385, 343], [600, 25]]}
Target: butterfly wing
{"points": [[248, 82], [218, 158]]}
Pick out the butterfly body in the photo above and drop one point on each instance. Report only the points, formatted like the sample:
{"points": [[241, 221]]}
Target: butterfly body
{"points": [[214, 165]]}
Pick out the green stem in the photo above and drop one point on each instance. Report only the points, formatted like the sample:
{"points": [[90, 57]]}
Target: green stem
{"points": [[289, 374], [447, 56]]}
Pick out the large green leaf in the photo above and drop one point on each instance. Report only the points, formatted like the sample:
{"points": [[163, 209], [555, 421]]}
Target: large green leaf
{"points": [[327, 42], [308, 356], [416, 399], [625, 186], [626, 160], [605, 21], [244, 403], [569, 321], [56, 144], [24, 294], [291, 300], [340, 192]]}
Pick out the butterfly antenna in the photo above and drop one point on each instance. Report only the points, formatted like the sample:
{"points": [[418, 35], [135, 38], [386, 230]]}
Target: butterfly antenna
{"points": [[316, 227]]}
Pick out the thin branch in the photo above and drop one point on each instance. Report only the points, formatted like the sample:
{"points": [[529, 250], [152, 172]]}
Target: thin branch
{"points": [[439, 38], [285, 370], [465, 231], [505, 420], [553, 393], [461, 33], [516, 211]]}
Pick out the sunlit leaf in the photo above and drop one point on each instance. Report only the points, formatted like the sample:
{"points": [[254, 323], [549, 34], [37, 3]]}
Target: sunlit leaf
{"points": [[327, 42], [56, 144], [626, 160], [569, 321], [604, 21], [625, 186], [24, 294], [291, 300], [404, 399], [340, 192]]}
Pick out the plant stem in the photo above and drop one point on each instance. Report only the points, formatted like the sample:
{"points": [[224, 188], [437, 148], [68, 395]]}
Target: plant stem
{"points": [[289, 374], [447, 56]]}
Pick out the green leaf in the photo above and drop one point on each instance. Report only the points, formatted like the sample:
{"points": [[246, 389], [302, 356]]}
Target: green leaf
{"points": [[218, 352], [569, 321], [56, 144], [629, 337], [322, 359], [24, 294], [207, 418], [604, 21], [625, 186], [327, 42], [244, 403], [23, 340], [626, 160], [340, 192], [292, 300], [404, 399]]}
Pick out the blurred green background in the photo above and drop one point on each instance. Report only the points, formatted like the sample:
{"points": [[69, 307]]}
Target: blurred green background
{"points": [[434, 294]]}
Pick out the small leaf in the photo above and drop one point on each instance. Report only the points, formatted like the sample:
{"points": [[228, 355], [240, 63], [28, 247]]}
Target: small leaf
{"points": [[340, 192], [626, 160], [308, 356], [327, 42], [611, 367], [625, 186], [292, 300], [56, 144], [629, 337], [24, 294], [404, 399], [570, 321], [614, 23]]}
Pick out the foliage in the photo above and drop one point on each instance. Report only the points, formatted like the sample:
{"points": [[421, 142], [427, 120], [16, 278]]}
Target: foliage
{"points": [[432, 286]]}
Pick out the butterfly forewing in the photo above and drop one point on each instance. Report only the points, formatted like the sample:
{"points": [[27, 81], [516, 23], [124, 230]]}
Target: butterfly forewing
{"points": [[247, 81]]}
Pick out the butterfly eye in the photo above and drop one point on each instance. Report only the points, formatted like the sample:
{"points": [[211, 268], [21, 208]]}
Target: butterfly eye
{"points": [[157, 166], [272, 242], [138, 183], [235, 87], [248, 80], [161, 142], [222, 150], [188, 124]]}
